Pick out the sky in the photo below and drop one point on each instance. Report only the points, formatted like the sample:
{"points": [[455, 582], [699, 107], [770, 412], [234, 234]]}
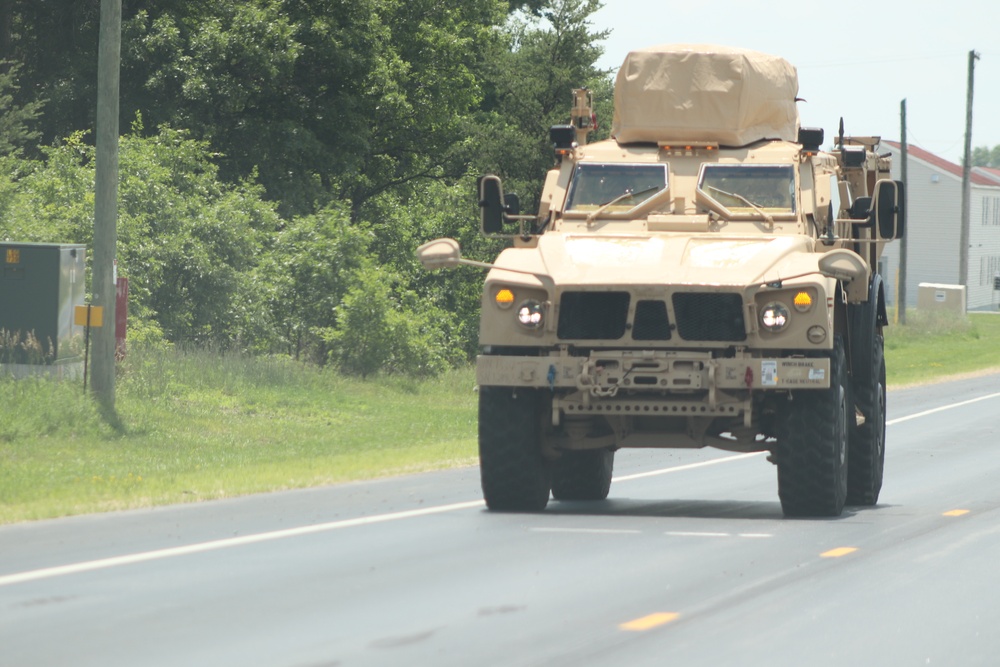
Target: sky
{"points": [[856, 60]]}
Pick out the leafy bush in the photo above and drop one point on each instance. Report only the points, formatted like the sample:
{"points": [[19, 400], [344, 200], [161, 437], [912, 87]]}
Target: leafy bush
{"points": [[186, 241], [377, 332], [303, 278]]}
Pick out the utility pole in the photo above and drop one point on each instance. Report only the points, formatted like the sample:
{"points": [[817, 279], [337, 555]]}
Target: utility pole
{"points": [[901, 278], [963, 262], [106, 201]]}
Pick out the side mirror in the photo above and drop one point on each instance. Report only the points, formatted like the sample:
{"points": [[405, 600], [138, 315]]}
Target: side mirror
{"points": [[440, 254], [491, 204], [447, 254], [889, 205]]}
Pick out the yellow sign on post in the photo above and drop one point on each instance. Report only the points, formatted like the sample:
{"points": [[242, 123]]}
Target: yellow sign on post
{"points": [[96, 316], [87, 316]]}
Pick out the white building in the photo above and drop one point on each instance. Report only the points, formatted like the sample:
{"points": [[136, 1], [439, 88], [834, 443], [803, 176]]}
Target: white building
{"points": [[933, 228]]}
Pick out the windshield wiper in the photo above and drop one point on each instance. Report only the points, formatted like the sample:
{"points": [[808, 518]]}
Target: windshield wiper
{"points": [[735, 195], [622, 197]]}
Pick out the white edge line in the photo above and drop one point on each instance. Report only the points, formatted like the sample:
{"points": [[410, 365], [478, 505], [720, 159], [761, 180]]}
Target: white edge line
{"points": [[202, 547], [589, 531], [900, 420], [215, 545], [690, 466]]}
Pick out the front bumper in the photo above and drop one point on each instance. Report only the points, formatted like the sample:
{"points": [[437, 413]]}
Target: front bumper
{"points": [[608, 372], [628, 386]]}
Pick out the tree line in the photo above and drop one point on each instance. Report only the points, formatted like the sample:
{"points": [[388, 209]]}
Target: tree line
{"points": [[984, 156], [284, 158]]}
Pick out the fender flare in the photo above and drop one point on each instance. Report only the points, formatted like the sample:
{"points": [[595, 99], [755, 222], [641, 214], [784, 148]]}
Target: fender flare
{"points": [[865, 322]]}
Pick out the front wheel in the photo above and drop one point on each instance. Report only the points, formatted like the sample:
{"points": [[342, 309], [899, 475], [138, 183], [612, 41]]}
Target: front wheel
{"points": [[514, 474], [812, 450]]}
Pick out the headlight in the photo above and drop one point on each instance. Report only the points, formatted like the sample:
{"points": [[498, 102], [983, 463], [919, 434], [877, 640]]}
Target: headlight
{"points": [[774, 316], [530, 314]]}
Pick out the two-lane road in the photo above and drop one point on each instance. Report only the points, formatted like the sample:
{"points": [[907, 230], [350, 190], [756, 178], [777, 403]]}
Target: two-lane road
{"points": [[689, 563]]}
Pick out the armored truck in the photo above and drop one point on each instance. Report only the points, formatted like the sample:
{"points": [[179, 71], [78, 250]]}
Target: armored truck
{"points": [[707, 277]]}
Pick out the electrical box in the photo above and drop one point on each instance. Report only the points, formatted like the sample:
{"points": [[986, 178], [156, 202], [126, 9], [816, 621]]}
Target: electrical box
{"points": [[40, 285], [947, 298]]}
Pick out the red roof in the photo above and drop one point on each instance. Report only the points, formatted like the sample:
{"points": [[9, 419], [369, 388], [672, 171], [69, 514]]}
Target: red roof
{"points": [[945, 165], [990, 172]]}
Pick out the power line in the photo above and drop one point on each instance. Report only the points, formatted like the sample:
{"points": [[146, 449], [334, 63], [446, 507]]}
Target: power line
{"points": [[856, 63]]}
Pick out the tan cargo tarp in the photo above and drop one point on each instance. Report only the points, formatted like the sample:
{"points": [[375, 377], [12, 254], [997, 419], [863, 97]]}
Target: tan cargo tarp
{"points": [[700, 92]]}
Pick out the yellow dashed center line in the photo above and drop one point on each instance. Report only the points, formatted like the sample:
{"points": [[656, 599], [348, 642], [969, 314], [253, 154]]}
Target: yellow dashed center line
{"points": [[837, 553], [956, 513], [650, 622]]}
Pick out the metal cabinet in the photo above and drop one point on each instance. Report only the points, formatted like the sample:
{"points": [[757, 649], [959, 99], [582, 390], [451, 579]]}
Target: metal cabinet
{"points": [[40, 285]]}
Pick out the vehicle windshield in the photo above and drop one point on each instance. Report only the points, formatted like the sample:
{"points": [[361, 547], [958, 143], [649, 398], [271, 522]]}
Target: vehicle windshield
{"points": [[743, 188], [597, 185]]}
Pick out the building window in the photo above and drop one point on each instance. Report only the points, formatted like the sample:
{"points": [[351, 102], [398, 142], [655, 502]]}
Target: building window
{"points": [[988, 268], [991, 211]]}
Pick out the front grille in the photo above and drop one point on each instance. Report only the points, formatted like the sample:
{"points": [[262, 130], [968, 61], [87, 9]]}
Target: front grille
{"points": [[709, 316], [593, 315], [651, 321]]}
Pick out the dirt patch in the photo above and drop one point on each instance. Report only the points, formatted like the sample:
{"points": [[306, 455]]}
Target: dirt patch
{"points": [[947, 378]]}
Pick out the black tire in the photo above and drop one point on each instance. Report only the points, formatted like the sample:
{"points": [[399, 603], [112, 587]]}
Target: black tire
{"points": [[514, 474], [583, 475], [812, 449], [866, 458]]}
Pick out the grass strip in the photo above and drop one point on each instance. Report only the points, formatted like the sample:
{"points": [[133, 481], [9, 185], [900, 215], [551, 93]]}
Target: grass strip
{"points": [[936, 345], [201, 426]]}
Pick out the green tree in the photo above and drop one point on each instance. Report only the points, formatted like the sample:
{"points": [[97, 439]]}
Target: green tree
{"points": [[17, 121], [528, 87], [984, 156], [188, 240], [305, 276], [54, 43], [325, 100], [431, 210]]}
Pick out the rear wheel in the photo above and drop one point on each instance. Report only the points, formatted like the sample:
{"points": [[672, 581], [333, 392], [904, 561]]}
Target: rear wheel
{"points": [[583, 475], [812, 448], [514, 474], [867, 441]]}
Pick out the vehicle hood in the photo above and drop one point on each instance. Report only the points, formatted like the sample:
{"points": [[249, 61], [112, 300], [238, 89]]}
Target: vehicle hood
{"points": [[711, 260]]}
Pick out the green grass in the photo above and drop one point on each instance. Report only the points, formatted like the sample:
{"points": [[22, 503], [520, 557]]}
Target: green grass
{"points": [[199, 425], [932, 346]]}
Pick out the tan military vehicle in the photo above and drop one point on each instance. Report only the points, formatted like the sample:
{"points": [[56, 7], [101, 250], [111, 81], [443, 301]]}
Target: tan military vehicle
{"points": [[706, 277]]}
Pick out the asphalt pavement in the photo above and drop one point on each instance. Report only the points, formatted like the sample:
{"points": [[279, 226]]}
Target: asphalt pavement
{"points": [[689, 562]]}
